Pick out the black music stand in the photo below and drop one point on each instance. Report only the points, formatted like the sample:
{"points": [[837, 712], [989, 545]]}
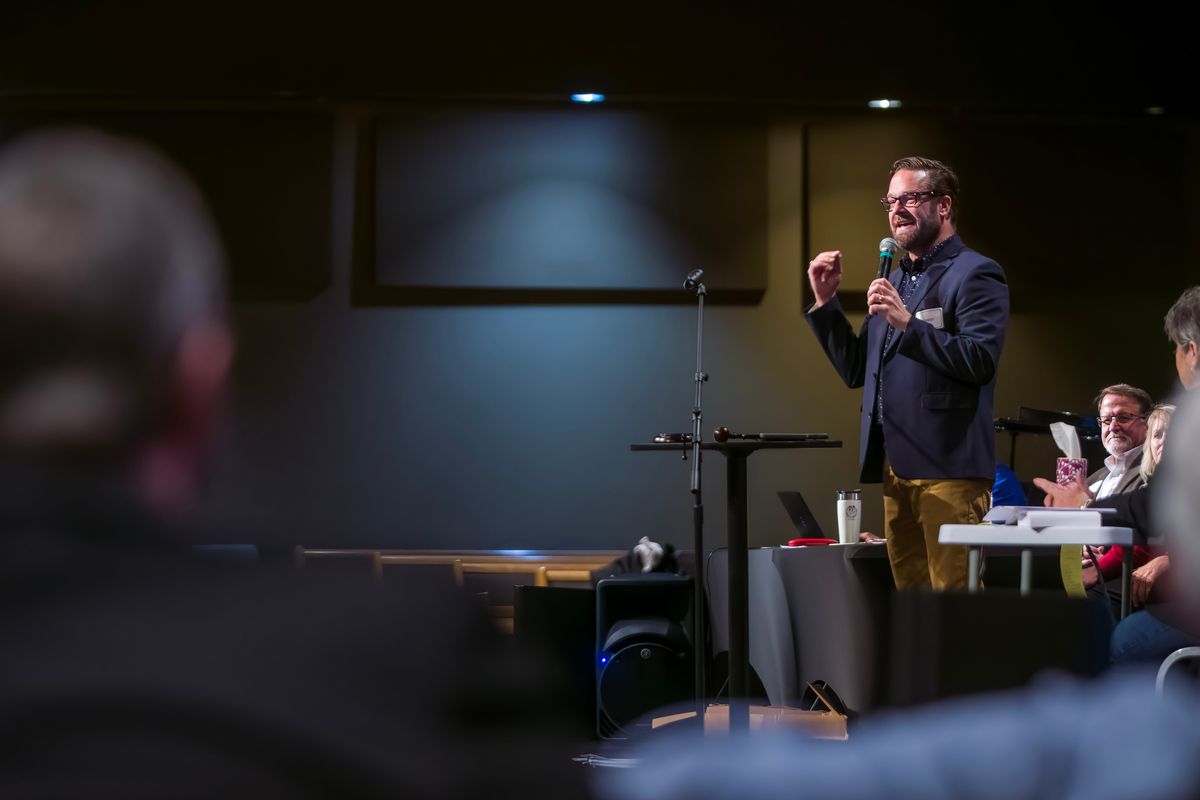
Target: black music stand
{"points": [[1037, 421], [736, 453]]}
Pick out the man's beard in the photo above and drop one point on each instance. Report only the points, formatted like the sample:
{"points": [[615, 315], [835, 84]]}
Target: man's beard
{"points": [[1124, 443], [921, 235]]}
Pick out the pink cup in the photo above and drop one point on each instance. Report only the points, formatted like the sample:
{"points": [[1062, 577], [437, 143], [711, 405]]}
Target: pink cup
{"points": [[1067, 468]]}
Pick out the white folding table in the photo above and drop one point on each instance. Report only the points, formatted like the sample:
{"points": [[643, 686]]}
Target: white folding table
{"points": [[977, 537]]}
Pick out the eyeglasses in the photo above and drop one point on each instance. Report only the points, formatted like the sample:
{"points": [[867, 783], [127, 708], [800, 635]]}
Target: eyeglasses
{"points": [[907, 199], [1124, 419]]}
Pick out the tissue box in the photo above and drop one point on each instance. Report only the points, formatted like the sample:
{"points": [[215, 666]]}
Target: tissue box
{"points": [[1067, 468]]}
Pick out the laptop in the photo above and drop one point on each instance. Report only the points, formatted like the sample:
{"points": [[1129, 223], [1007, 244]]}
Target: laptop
{"points": [[801, 516]]}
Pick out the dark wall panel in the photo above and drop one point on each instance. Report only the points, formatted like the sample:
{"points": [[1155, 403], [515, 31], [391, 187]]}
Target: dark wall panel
{"points": [[1073, 210], [267, 177], [574, 199]]}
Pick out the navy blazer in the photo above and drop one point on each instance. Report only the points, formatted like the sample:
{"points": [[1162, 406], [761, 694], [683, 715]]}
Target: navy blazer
{"points": [[938, 384]]}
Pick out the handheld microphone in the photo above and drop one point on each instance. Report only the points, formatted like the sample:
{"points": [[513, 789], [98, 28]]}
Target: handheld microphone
{"points": [[693, 279], [887, 252]]}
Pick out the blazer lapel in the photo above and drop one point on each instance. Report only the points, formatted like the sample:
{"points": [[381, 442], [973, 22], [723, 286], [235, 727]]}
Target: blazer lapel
{"points": [[933, 274], [1130, 480], [929, 278]]}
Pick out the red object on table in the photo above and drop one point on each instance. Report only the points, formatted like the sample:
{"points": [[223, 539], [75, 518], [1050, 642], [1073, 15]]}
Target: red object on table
{"points": [[805, 542]]}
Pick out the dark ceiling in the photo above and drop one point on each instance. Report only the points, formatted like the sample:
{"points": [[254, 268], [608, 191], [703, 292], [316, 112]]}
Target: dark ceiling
{"points": [[939, 56]]}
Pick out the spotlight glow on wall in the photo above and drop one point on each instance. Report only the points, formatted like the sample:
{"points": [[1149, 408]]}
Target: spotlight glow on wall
{"points": [[883, 104], [587, 97]]}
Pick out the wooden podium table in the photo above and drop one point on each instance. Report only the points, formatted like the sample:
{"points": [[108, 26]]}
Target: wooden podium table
{"points": [[736, 454]]}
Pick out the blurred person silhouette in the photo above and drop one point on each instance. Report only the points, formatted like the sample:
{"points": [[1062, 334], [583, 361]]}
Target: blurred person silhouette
{"points": [[132, 667], [1037, 742]]}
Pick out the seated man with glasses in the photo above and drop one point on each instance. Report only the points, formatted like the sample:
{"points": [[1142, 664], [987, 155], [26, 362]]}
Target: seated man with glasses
{"points": [[1122, 416], [927, 357]]}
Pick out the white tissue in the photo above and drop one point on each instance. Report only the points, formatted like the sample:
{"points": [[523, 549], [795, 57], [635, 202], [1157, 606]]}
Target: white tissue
{"points": [[1067, 439]]}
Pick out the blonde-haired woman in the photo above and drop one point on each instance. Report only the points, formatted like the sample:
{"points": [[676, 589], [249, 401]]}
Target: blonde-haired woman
{"points": [[1156, 434]]}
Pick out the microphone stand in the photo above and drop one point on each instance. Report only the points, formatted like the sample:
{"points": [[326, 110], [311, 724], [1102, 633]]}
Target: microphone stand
{"points": [[699, 643]]}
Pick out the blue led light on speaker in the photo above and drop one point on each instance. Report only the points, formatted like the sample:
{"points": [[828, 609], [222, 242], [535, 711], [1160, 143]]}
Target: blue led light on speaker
{"points": [[587, 97]]}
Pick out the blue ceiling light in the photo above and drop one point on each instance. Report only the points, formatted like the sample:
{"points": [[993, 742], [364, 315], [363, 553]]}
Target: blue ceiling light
{"points": [[883, 104], [588, 98]]}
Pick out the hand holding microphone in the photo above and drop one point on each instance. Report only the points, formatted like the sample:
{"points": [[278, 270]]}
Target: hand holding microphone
{"points": [[882, 297]]}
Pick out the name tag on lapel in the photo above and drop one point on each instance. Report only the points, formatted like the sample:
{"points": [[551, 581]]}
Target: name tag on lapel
{"points": [[933, 316]]}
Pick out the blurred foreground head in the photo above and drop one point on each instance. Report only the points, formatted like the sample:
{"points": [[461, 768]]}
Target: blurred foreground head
{"points": [[1179, 502], [113, 341]]}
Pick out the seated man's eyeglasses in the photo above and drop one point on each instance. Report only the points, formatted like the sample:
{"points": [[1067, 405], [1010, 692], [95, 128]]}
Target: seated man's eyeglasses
{"points": [[1124, 419], [907, 199]]}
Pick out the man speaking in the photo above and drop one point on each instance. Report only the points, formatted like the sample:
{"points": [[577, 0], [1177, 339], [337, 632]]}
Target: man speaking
{"points": [[927, 356]]}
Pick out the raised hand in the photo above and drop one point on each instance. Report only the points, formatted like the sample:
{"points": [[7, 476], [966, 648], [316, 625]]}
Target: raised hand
{"points": [[825, 275]]}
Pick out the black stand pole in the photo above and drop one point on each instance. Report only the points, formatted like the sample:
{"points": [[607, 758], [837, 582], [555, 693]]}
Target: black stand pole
{"points": [[736, 455], [698, 639], [739, 591]]}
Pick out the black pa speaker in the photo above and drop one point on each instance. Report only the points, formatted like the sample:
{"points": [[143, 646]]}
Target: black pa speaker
{"points": [[645, 656]]}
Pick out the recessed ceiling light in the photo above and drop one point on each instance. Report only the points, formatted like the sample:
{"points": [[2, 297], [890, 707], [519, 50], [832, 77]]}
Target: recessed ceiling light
{"points": [[883, 104], [587, 97]]}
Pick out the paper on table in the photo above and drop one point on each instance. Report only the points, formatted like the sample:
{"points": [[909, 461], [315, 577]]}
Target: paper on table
{"points": [[1012, 515], [1077, 518]]}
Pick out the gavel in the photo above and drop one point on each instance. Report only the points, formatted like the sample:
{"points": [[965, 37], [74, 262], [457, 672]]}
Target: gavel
{"points": [[723, 434]]}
